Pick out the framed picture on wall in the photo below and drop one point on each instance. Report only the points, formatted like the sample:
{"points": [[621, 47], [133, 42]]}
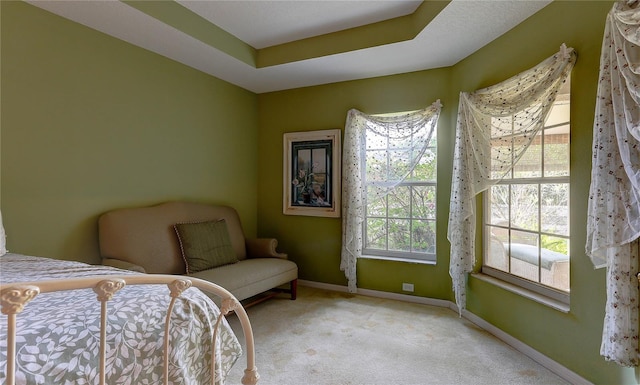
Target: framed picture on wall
{"points": [[311, 173]]}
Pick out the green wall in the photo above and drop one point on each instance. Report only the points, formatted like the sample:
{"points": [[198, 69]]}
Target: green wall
{"points": [[91, 123], [572, 339], [314, 243]]}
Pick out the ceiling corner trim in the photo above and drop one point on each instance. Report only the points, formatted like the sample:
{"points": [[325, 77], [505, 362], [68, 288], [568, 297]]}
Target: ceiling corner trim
{"points": [[181, 18], [432, 34], [385, 32], [426, 12]]}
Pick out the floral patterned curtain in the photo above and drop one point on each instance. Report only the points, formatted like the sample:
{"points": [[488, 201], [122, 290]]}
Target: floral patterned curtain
{"points": [[508, 116], [408, 135], [613, 221]]}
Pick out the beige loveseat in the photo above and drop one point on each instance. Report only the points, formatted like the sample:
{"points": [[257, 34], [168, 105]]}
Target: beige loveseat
{"points": [[144, 239]]}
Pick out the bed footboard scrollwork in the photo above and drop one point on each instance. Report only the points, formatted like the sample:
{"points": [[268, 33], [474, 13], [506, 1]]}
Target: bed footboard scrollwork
{"points": [[14, 298], [12, 302]]}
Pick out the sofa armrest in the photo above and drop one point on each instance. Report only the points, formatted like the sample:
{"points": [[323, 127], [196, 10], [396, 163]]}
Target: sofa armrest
{"points": [[263, 248], [122, 265]]}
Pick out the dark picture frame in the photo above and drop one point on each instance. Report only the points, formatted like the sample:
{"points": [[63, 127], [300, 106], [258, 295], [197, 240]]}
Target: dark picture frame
{"points": [[311, 173]]}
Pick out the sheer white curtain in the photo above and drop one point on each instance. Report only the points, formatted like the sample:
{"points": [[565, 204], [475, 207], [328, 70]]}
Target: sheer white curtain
{"points": [[401, 141], [3, 238], [508, 116], [613, 221]]}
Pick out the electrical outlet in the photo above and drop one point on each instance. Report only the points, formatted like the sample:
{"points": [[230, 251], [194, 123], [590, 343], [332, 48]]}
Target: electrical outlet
{"points": [[407, 287]]}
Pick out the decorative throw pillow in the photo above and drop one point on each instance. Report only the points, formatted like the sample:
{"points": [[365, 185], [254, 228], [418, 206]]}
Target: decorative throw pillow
{"points": [[205, 245], [3, 238]]}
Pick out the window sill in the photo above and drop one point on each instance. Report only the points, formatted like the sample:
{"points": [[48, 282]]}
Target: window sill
{"points": [[399, 259], [542, 299]]}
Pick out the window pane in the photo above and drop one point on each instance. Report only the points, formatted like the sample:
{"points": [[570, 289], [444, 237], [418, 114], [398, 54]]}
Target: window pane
{"points": [[559, 114], [399, 235], [524, 237], [501, 156], [398, 164], [524, 255], [556, 151], [376, 233], [530, 164], [497, 245], [498, 205], [555, 262], [424, 202], [555, 244], [399, 141], [399, 202], [424, 236], [555, 208], [434, 139], [425, 170], [376, 203], [376, 166], [524, 206]]}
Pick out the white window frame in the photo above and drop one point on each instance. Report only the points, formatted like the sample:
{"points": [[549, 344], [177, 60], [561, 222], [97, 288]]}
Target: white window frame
{"points": [[536, 287], [412, 256]]}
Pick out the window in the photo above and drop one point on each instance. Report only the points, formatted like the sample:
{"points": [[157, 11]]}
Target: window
{"points": [[400, 206], [526, 214], [388, 187]]}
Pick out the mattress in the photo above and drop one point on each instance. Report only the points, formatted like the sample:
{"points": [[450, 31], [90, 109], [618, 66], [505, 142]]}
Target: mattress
{"points": [[58, 333]]}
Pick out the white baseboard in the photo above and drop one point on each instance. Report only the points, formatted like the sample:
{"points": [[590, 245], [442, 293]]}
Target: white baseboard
{"points": [[377, 293], [555, 367], [525, 349], [322, 285]]}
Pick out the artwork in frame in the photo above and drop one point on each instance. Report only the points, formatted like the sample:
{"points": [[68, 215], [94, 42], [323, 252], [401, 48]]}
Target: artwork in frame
{"points": [[311, 173]]}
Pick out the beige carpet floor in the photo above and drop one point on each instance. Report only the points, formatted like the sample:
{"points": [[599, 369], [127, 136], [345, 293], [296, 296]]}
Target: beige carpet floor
{"points": [[332, 338]]}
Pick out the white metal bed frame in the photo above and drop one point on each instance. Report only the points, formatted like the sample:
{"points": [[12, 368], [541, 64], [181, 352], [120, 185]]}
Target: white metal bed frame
{"points": [[15, 296]]}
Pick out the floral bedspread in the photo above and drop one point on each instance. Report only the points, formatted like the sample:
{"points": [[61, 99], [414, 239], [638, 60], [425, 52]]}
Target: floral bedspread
{"points": [[58, 336]]}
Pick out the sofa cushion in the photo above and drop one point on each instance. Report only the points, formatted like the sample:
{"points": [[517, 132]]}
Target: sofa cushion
{"points": [[251, 276], [205, 245]]}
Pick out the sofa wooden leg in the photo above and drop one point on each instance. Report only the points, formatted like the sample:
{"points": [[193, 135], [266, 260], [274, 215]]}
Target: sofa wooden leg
{"points": [[294, 289]]}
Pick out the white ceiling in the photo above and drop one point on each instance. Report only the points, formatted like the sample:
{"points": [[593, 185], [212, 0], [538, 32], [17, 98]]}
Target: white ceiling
{"points": [[264, 23], [461, 28]]}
